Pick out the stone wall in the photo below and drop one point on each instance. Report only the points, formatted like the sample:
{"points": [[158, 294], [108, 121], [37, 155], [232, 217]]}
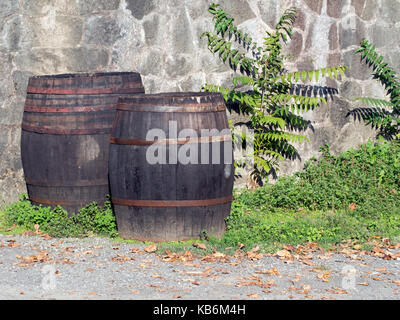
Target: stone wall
{"points": [[161, 40]]}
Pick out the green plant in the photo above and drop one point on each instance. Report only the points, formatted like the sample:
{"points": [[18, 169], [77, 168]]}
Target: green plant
{"points": [[352, 195], [273, 108], [91, 219], [380, 114]]}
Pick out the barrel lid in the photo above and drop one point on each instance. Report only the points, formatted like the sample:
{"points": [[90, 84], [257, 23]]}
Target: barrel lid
{"points": [[86, 83], [174, 102]]}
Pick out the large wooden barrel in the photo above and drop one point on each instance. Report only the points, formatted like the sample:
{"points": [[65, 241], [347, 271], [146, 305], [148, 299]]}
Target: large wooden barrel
{"points": [[66, 127], [161, 187]]}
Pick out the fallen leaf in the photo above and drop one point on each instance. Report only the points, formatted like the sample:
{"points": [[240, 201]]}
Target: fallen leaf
{"points": [[363, 284], [357, 247], [273, 271], [151, 248], [177, 296], [353, 206], [253, 295], [377, 279], [200, 245], [36, 226], [306, 289], [92, 293], [397, 282], [283, 253], [382, 269], [89, 269]]}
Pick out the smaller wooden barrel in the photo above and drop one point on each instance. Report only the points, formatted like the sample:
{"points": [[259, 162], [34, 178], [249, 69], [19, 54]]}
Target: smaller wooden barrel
{"points": [[171, 166], [66, 126]]}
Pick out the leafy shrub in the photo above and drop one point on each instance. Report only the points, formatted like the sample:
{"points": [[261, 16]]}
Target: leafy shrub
{"points": [[353, 195], [380, 114], [273, 107], [91, 219]]}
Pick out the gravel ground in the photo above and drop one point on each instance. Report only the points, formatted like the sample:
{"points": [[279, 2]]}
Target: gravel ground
{"points": [[97, 268]]}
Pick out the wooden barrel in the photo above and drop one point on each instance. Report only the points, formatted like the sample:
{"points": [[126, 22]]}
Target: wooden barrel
{"points": [[161, 187], [66, 127]]}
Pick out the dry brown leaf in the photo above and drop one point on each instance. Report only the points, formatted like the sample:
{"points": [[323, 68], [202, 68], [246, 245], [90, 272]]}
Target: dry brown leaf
{"points": [[353, 206], [396, 282], [377, 279], [92, 293], [363, 284], [382, 269], [151, 248], [357, 247], [306, 289], [200, 245], [273, 271], [283, 253], [253, 295], [89, 269], [308, 262]]}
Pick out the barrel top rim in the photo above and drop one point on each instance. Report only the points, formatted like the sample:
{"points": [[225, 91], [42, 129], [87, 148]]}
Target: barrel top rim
{"points": [[187, 94], [83, 75]]}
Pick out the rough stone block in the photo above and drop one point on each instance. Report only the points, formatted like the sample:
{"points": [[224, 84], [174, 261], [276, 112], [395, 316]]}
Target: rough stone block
{"points": [[12, 113], [140, 8], [95, 6], [178, 65], [382, 36], [152, 29], [339, 109], [365, 9], [57, 31], [102, 30], [51, 61], [7, 8], [152, 63], [41, 8], [351, 31], [357, 68], [295, 45], [270, 12], [182, 38], [15, 35], [390, 11], [300, 20], [238, 9], [350, 90], [334, 8], [20, 80], [315, 5], [333, 37]]}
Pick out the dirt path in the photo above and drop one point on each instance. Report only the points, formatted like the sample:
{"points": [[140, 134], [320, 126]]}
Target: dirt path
{"points": [[96, 268]]}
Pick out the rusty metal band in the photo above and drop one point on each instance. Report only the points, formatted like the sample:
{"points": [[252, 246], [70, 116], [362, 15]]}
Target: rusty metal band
{"points": [[33, 109], [78, 183], [47, 130], [190, 108], [64, 202], [136, 89], [171, 203], [141, 142]]}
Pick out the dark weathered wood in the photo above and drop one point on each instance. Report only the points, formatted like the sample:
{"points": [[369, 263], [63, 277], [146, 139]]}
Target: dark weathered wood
{"points": [[172, 201], [66, 128]]}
